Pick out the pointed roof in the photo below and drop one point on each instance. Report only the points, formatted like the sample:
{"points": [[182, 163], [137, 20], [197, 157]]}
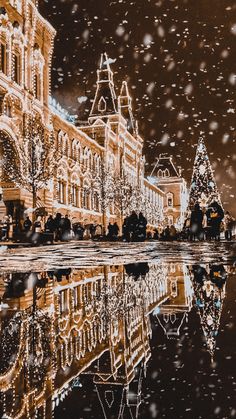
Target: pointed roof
{"points": [[165, 167], [125, 106], [105, 101]]}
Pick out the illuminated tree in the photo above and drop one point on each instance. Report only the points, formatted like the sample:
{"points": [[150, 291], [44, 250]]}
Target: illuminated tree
{"points": [[102, 187], [31, 164], [203, 187]]}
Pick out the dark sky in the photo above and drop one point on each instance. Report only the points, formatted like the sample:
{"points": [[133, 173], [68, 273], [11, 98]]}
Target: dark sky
{"points": [[179, 59]]}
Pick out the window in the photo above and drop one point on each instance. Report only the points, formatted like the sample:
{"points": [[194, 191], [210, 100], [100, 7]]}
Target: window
{"points": [[86, 197], [3, 58], [75, 195], [159, 173], [37, 86], [102, 105], [64, 301], [16, 67], [167, 173], [170, 200], [61, 192]]}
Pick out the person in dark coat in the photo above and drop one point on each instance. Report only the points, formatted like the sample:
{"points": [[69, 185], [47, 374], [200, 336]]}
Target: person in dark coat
{"points": [[196, 222], [66, 228], [115, 231], [133, 226], [141, 227], [126, 230], [27, 224], [216, 217], [58, 226], [50, 224], [92, 230]]}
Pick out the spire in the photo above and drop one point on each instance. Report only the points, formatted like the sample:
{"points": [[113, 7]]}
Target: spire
{"points": [[105, 98], [203, 187], [125, 106]]}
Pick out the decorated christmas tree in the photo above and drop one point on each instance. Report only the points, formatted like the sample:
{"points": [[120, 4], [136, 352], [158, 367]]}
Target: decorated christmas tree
{"points": [[203, 187]]}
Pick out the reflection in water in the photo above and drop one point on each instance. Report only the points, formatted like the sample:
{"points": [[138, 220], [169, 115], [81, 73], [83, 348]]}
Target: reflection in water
{"points": [[59, 326]]}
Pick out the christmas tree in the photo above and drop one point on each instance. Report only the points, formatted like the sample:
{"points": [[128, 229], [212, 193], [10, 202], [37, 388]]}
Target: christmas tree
{"points": [[203, 187]]}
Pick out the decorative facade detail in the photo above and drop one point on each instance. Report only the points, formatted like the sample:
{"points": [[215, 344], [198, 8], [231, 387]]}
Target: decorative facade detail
{"points": [[166, 176]]}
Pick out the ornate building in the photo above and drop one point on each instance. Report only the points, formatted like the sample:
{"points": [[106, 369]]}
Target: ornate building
{"points": [[58, 325], [166, 176], [98, 167]]}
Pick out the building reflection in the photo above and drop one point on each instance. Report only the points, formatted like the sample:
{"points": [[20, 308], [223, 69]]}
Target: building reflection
{"points": [[58, 325]]}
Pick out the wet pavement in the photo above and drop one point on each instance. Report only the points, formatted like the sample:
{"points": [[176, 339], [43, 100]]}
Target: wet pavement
{"points": [[87, 253], [129, 331]]}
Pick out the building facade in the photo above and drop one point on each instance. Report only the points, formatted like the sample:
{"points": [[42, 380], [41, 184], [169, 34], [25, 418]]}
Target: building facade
{"points": [[99, 166], [166, 176], [94, 321]]}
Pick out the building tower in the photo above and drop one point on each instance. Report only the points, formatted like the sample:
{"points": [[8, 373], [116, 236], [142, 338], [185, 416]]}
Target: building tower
{"points": [[125, 107], [105, 101]]}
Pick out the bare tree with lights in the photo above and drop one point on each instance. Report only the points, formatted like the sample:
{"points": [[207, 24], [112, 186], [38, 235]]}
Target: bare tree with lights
{"points": [[102, 186], [32, 163]]}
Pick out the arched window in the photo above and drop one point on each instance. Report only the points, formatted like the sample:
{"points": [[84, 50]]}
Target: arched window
{"points": [[60, 142], [74, 150], [65, 146], [102, 105], [167, 173], [37, 86], [8, 106], [75, 191], [86, 195], [16, 67], [170, 200], [3, 57], [62, 186], [159, 173]]}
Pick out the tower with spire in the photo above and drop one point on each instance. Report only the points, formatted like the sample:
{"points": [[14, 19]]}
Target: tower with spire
{"points": [[105, 100], [125, 107]]}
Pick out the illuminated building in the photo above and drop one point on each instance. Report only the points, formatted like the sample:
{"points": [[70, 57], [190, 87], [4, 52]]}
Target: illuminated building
{"points": [[110, 139]]}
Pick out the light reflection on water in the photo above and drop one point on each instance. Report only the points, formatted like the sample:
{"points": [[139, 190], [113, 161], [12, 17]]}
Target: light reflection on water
{"points": [[137, 341]]}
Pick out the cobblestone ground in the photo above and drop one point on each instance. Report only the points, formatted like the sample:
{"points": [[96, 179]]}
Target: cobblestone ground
{"points": [[82, 254]]}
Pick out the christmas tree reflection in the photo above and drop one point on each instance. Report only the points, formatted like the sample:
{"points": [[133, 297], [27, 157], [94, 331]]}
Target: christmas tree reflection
{"points": [[209, 287]]}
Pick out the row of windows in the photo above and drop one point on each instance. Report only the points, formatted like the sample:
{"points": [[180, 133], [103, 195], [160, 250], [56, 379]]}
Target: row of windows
{"points": [[80, 198], [75, 152], [16, 69], [163, 173], [16, 63]]}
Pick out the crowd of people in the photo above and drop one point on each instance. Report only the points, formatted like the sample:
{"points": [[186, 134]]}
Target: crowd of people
{"points": [[208, 223], [135, 227], [200, 224]]}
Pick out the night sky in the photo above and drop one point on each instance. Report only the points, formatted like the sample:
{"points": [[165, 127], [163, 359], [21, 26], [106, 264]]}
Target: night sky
{"points": [[179, 59]]}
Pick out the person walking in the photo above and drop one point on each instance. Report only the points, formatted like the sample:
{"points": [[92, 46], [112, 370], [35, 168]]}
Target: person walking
{"points": [[196, 223], [216, 217], [229, 223], [133, 226], [115, 231], [141, 227], [58, 227], [126, 230], [66, 228], [92, 230], [27, 224]]}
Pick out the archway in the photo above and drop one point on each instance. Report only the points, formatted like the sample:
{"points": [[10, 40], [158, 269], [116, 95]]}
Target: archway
{"points": [[10, 196]]}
